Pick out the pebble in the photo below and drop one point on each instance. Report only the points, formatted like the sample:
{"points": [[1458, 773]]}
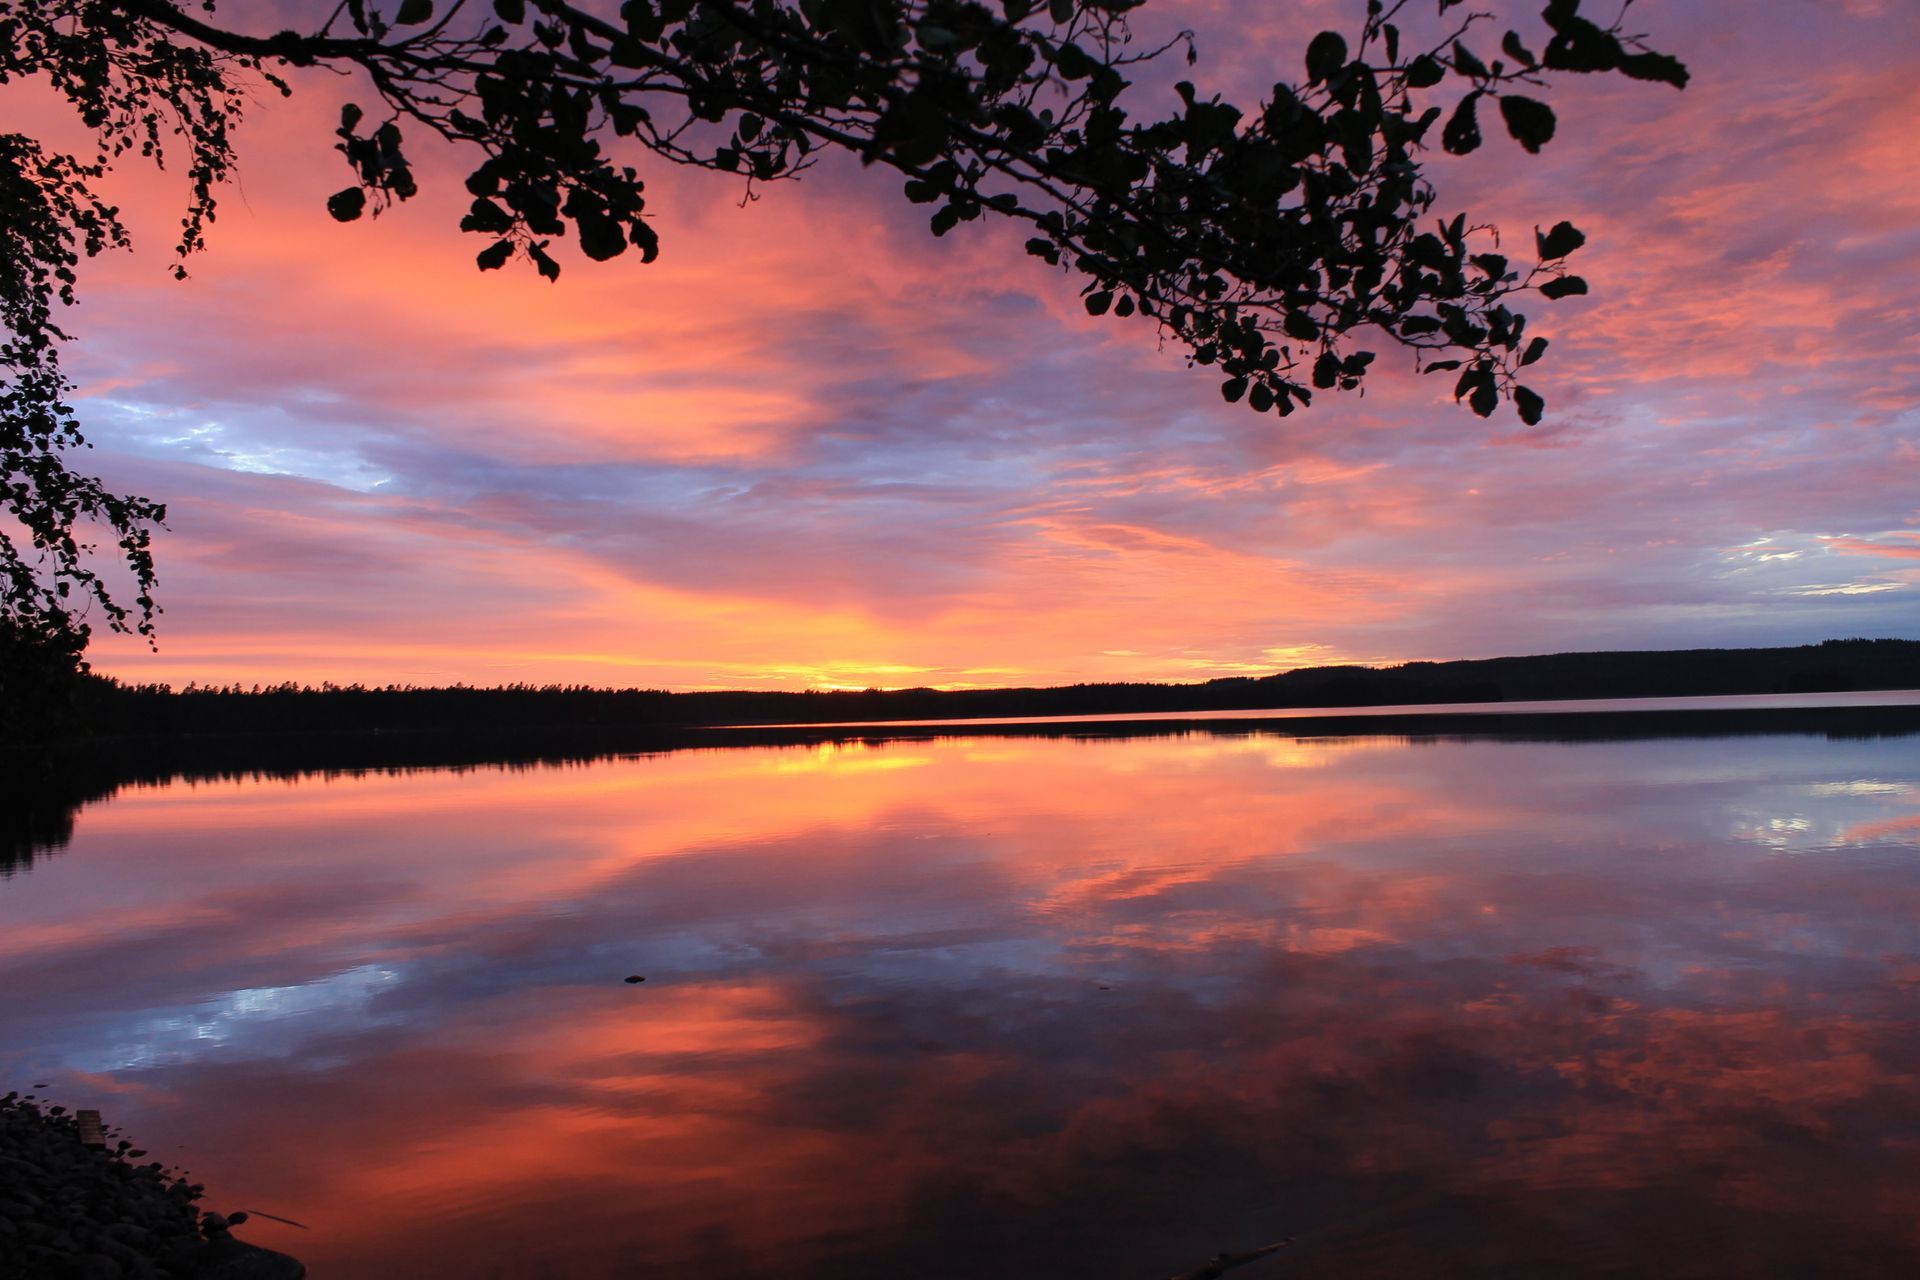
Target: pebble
{"points": [[69, 1209]]}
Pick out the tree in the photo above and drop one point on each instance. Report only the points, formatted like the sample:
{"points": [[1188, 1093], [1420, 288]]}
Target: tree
{"points": [[1264, 242]]}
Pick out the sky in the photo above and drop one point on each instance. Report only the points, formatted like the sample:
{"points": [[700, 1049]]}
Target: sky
{"points": [[812, 446]]}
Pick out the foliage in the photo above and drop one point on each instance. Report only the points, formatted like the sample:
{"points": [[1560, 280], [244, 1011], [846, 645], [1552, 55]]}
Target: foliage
{"points": [[136, 87], [1263, 241]]}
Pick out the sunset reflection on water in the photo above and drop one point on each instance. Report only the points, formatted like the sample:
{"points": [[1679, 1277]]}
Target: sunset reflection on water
{"points": [[970, 1008]]}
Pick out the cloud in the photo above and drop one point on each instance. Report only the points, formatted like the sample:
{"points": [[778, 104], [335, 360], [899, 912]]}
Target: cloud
{"points": [[813, 443]]}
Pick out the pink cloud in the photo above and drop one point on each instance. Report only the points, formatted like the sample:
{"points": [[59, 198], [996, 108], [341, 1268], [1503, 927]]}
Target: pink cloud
{"points": [[814, 443]]}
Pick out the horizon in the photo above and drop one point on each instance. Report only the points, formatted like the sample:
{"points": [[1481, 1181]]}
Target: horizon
{"points": [[813, 446], [337, 686]]}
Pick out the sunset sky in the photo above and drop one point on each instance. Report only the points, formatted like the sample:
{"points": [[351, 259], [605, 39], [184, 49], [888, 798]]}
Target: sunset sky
{"points": [[813, 446]]}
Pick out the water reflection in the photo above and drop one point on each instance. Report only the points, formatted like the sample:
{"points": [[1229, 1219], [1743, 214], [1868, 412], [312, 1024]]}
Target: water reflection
{"points": [[991, 1007]]}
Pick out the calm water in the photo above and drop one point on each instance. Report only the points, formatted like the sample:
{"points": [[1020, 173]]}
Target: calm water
{"points": [[1015, 1007]]}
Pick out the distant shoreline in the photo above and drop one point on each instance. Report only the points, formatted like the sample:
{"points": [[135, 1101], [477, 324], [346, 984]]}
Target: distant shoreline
{"points": [[109, 709]]}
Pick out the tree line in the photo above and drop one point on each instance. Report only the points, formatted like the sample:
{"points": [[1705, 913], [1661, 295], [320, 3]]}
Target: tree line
{"points": [[106, 708]]}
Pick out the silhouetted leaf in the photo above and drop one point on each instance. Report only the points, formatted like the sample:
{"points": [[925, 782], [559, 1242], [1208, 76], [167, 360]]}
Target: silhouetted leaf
{"points": [[1530, 123], [1485, 397], [1326, 55], [1074, 63], [1535, 349], [347, 205], [1424, 72], [1232, 389], [1519, 52], [1462, 133], [1563, 287], [488, 218], [495, 255], [601, 238], [414, 12], [1656, 66], [1559, 242], [1099, 301], [1530, 404], [1465, 62], [645, 239], [1260, 398], [512, 12]]}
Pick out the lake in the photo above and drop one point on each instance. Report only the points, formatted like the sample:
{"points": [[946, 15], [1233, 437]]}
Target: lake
{"points": [[1012, 1006]]}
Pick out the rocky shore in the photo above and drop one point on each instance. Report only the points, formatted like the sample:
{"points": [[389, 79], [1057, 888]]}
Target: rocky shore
{"points": [[76, 1204]]}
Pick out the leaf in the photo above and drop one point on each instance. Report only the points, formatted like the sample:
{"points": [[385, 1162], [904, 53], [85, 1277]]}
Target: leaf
{"points": [[350, 118], [600, 237], [495, 255], [1232, 389], [1424, 72], [1535, 349], [1325, 56], [1658, 67], [1486, 397], [487, 217], [1301, 326], [1462, 133], [1519, 52], [347, 205], [1097, 303], [1260, 399], [1530, 123], [543, 262], [1559, 242], [1466, 63], [414, 12], [1060, 10], [1073, 62], [644, 238], [1530, 404], [1563, 287]]}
